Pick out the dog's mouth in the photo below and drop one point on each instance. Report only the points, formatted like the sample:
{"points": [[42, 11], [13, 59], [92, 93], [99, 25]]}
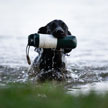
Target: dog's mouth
{"points": [[59, 34]]}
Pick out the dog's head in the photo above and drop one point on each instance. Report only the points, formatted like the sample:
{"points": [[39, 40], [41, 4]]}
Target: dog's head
{"points": [[57, 28]]}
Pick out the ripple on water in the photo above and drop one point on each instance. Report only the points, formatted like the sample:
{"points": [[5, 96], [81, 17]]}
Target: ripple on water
{"points": [[9, 74]]}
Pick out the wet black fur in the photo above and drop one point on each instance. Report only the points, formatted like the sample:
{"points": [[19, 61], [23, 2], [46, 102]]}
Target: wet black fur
{"points": [[50, 61]]}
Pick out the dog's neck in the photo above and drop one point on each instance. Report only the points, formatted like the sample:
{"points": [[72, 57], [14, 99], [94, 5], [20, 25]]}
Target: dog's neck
{"points": [[51, 58]]}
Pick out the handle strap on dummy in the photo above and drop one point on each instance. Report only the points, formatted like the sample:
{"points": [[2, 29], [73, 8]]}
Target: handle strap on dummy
{"points": [[27, 54]]}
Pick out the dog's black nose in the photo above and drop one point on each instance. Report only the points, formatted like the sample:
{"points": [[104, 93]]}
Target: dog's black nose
{"points": [[59, 33]]}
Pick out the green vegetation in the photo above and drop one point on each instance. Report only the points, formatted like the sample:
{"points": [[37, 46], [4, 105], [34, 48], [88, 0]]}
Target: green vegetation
{"points": [[47, 96]]}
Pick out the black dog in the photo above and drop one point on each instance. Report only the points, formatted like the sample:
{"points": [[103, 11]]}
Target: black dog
{"points": [[50, 64]]}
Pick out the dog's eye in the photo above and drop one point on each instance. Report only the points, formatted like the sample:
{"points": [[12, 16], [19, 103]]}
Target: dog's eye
{"points": [[63, 26], [53, 25]]}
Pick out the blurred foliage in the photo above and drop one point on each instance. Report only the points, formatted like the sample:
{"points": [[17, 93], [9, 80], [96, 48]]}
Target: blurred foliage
{"points": [[47, 95]]}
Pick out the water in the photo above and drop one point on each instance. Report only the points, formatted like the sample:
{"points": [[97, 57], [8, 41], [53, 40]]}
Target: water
{"points": [[87, 19]]}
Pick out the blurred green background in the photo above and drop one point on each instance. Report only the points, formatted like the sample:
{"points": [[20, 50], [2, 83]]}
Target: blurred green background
{"points": [[48, 95]]}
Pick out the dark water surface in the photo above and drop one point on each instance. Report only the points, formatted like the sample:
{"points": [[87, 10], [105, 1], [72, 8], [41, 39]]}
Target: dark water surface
{"points": [[88, 63]]}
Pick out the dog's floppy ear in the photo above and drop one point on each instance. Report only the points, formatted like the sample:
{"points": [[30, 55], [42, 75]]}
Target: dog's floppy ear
{"points": [[43, 30], [69, 33]]}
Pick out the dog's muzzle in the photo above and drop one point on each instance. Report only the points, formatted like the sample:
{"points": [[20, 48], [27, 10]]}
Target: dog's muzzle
{"points": [[59, 33]]}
